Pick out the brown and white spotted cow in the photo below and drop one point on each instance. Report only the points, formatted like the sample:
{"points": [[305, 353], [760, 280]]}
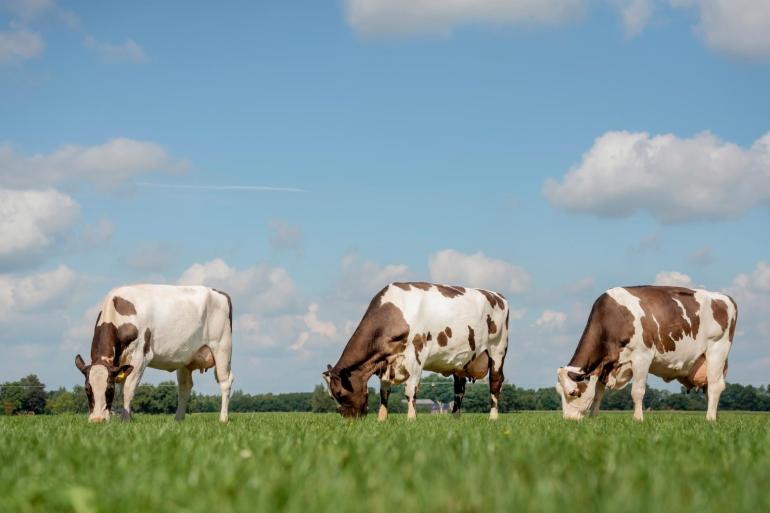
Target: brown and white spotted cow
{"points": [[411, 327], [671, 332], [167, 327]]}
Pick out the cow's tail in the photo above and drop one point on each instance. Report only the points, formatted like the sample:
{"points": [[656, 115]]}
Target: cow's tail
{"points": [[229, 307]]}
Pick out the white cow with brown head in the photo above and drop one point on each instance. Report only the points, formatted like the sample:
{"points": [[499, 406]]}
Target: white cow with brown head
{"points": [[174, 328], [411, 327], [671, 332]]}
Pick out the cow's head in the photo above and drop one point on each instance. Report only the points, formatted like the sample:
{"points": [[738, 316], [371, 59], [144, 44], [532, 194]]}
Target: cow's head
{"points": [[100, 386], [577, 391], [349, 390]]}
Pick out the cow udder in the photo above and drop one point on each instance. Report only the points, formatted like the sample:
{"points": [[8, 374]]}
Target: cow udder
{"points": [[203, 360]]}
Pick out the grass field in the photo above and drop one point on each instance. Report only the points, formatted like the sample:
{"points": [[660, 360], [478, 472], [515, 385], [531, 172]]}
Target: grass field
{"points": [[306, 463]]}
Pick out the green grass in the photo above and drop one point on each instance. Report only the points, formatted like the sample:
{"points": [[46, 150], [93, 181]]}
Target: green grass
{"points": [[306, 463]]}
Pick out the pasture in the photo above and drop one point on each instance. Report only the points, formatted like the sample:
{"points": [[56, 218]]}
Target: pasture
{"points": [[319, 462]]}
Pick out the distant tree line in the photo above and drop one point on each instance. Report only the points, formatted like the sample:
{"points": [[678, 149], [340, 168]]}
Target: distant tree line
{"points": [[29, 396]]}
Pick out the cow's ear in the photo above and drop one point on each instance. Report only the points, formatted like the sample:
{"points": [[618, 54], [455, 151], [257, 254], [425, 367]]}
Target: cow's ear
{"points": [[81, 365], [345, 380], [328, 370], [577, 378], [121, 373]]}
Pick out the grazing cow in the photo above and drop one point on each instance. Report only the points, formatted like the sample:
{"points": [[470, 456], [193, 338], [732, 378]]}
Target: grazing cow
{"points": [[164, 327], [671, 332], [411, 327]]}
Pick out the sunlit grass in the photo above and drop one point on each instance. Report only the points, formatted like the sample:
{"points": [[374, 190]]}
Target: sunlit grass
{"points": [[305, 463]]}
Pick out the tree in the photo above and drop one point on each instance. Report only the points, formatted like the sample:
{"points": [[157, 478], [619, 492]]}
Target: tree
{"points": [[321, 401], [26, 395]]}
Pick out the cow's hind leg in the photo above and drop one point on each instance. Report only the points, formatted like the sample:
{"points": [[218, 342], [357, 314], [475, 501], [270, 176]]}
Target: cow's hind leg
{"points": [[224, 375], [384, 395], [459, 385], [716, 361], [184, 378], [410, 389]]}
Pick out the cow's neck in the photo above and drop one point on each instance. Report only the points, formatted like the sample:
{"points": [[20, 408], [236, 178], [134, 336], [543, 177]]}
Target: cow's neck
{"points": [[591, 349]]}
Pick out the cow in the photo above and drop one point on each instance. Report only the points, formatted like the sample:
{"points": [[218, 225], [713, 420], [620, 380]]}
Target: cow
{"points": [[672, 332], [174, 328], [411, 327]]}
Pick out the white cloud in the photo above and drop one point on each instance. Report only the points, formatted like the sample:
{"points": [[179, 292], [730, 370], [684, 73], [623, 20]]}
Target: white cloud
{"points": [[674, 179], [635, 14], [19, 44], [27, 9], [397, 17], [129, 50], [33, 221], [151, 256], [261, 288], [314, 326], [674, 279], [106, 165], [30, 293], [736, 27], [98, 233], [551, 320], [759, 280], [284, 236], [361, 279], [477, 270]]}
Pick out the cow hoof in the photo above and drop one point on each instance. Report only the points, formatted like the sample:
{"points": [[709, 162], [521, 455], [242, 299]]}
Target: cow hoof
{"points": [[125, 417]]}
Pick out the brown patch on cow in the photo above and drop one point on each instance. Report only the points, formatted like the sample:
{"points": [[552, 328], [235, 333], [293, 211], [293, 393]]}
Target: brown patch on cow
{"points": [[495, 300], [448, 332], [429, 337], [582, 386], [471, 338], [127, 333], [476, 368], [719, 310], [734, 320], [442, 339], [450, 291], [491, 326], [663, 323], [229, 306], [609, 328], [202, 360], [123, 306], [421, 285], [403, 286], [418, 343], [147, 336]]}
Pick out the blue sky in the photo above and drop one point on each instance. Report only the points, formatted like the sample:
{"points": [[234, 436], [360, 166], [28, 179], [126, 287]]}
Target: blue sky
{"points": [[548, 150]]}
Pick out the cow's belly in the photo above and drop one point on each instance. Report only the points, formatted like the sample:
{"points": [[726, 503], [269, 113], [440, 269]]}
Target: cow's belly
{"points": [[171, 352], [677, 363]]}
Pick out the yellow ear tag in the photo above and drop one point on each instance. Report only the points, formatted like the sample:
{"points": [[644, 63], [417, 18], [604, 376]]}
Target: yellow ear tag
{"points": [[121, 377]]}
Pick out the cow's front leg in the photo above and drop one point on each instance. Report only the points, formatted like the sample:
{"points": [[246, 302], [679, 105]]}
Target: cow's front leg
{"points": [[716, 367], [185, 380], [410, 389], [597, 399], [640, 370], [129, 387], [384, 395], [459, 388]]}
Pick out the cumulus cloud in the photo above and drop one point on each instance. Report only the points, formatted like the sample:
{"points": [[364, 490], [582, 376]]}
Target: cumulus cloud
{"points": [[284, 236], [129, 50], [27, 294], [674, 179], [477, 270], [397, 17], [260, 288], [551, 320], [27, 9], [360, 279], [32, 222], [107, 165], [673, 279], [635, 14], [19, 44], [759, 280], [314, 326], [736, 27]]}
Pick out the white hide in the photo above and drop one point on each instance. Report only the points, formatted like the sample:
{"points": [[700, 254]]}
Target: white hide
{"points": [[429, 311], [181, 320], [637, 360]]}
